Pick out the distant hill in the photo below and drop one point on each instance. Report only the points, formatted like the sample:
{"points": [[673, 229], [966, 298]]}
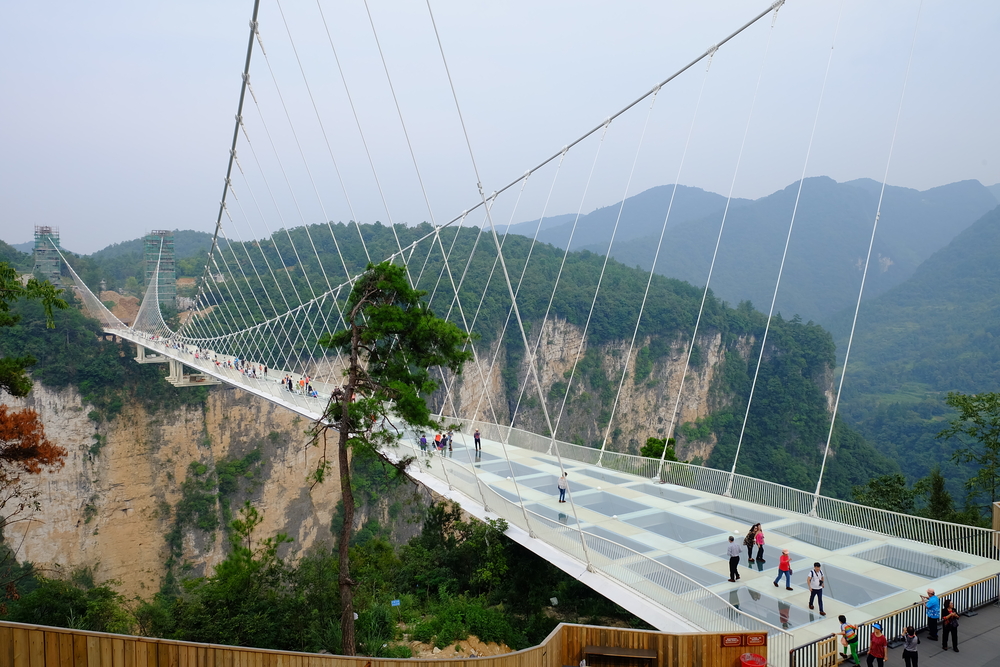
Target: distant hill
{"points": [[642, 216], [187, 243], [995, 189], [27, 246], [937, 332], [826, 252], [15, 257]]}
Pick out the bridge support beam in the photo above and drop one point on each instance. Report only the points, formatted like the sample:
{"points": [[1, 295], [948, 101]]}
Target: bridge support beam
{"points": [[144, 356], [179, 379]]}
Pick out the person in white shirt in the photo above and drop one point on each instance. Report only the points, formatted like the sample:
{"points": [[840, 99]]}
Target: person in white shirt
{"points": [[817, 582]]}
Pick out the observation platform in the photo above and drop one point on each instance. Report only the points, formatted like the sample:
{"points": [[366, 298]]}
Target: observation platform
{"points": [[643, 534]]}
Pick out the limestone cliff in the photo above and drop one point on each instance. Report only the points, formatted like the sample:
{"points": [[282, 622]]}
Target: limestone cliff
{"points": [[117, 498], [644, 403]]}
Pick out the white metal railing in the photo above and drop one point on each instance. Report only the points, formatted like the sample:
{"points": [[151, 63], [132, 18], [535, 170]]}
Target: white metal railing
{"points": [[643, 575], [968, 539]]}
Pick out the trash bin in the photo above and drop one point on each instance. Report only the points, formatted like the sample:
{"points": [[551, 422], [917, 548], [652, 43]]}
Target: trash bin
{"points": [[752, 660]]}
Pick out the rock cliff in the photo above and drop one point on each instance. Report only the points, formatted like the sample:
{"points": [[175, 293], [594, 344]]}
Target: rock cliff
{"points": [[124, 486]]}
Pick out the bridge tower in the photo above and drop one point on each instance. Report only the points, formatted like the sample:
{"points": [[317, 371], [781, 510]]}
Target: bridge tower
{"points": [[158, 246], [47, 260]]}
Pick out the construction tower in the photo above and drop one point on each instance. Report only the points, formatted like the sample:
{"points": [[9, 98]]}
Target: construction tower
{"points": [[47, 261], [158, 246]]}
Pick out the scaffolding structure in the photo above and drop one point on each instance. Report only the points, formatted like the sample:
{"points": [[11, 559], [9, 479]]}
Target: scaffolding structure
{"points": [[47, 261], [158, 246]]}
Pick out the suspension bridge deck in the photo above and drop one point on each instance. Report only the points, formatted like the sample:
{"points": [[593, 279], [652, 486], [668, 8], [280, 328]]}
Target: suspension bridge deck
{"points": [[633, 526]]}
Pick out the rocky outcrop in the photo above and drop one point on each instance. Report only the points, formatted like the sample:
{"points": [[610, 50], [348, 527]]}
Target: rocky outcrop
{"points": [[596, 394], [114, 502]]}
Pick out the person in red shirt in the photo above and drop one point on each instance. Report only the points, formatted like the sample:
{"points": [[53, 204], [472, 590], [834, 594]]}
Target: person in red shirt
{"points": [[877, 646], [784, 568]]}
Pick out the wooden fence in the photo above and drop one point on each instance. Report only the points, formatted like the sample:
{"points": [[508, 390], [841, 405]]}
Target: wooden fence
{"points": [[40, 646]]}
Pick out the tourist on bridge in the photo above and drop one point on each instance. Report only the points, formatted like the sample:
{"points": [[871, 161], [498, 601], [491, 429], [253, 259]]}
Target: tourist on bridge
{"points": [[563, 484], [849, 638], [759, 539], [734, 559], [784, 568], [949, 619], [817, 582], [423, 442], [437, 442], [933, 604], [750, 540], [479, 445]]}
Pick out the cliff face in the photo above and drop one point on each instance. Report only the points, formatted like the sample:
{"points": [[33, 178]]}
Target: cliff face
{"points": [[125, 483], [644, 403]]}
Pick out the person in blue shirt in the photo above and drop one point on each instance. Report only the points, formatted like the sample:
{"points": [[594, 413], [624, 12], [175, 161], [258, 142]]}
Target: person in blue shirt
{"points": [[933, 605]]}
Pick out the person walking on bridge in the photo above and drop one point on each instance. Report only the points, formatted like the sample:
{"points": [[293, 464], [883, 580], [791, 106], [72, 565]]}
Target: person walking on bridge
{"points": [[784, 568], [734, 559], [479, 444], [563, 484]]}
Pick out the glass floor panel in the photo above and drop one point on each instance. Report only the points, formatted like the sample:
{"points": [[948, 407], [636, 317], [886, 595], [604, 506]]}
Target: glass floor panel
{"points": [[914, 562], [772, 610], [676, 528], [849, 586], [739, 511], [702, 575], [607, 504], [820, 536], [608, 477], [663, 491], [503, 468], [565, 517], [618, 539], [541, 482]]}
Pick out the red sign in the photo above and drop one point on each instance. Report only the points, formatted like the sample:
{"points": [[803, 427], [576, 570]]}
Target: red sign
{"points": [[729, 641], [759, 639]]}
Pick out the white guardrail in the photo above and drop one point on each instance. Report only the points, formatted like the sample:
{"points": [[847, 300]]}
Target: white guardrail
{"points": [[645, 576], [968, 539]]}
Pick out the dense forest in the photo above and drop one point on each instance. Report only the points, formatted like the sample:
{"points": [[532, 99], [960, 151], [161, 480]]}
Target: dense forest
{"points": [[937, 332]]}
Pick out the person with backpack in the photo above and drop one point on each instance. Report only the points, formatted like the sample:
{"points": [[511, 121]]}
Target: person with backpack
{"points": [[877, 644], [849, 638], [816, 581]]}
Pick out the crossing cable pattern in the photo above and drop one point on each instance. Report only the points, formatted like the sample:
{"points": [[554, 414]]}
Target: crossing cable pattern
{"points": [[868, 257], [784, 253]]}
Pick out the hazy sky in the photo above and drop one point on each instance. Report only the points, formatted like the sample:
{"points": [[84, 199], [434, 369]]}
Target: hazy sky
{"points": [[116, 117]]}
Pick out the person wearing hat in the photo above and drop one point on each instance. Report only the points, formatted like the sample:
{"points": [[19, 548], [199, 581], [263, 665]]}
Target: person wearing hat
{"points": [[784, 568], [877, 646]]}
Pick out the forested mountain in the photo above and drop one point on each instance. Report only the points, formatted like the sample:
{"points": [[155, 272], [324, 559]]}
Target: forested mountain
{"points": [[937, 332], [827, 248], [642, 217], [788, 422]]}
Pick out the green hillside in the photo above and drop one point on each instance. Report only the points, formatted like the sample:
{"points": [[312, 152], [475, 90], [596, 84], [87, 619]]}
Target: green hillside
{"points": [[827, 249], [937, 332], [787, 425]]}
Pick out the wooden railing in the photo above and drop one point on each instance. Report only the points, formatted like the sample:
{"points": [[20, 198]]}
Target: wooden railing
{"points": [[41, 646]]}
